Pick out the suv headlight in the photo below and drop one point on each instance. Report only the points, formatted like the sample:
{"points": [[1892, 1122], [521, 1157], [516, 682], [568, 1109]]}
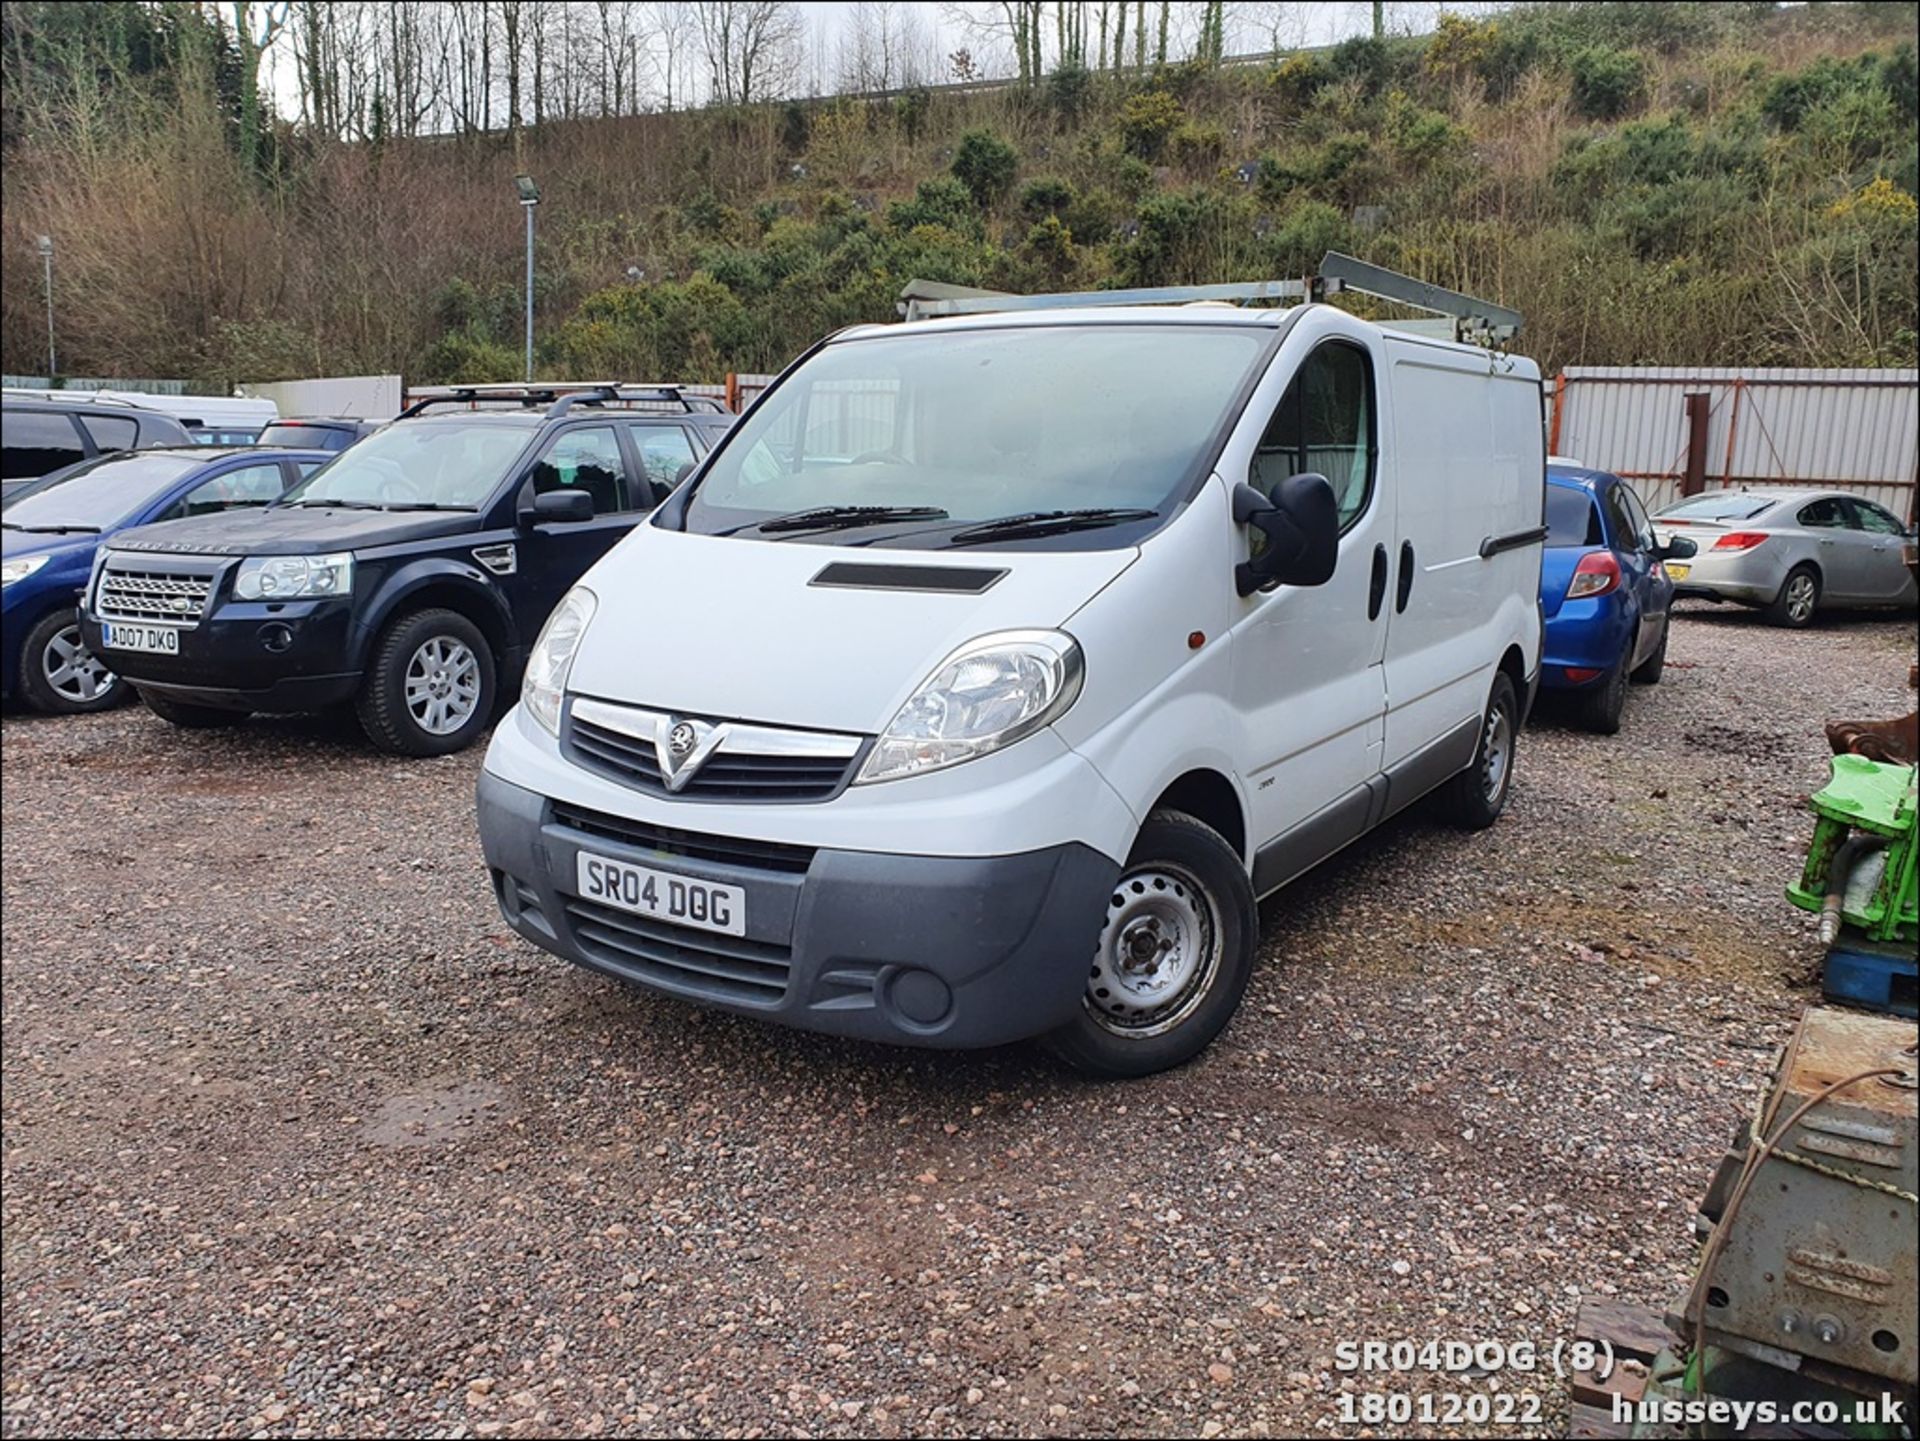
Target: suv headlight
{"points": [[552, 659], [20, 568], [986, 695], [293, 577]]}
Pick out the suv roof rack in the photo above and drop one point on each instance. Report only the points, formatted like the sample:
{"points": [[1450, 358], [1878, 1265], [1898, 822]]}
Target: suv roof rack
{"points": [[559, 398], [88, 397], [1470, 317]]}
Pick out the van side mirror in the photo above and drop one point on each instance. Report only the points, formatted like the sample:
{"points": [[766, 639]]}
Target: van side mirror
{"points": [[1302, 526], [559, 507], [1679, 547]]}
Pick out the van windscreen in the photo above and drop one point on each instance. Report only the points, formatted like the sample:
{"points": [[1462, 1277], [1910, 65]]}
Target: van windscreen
{"points": [[930, 433]]}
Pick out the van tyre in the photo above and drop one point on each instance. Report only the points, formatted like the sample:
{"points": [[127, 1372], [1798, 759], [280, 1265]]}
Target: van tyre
{"points": [[1648, 671], [191, 717], [59, 675], [1601, 706], [1474, 799], [1173, 954], [429, 688], [1799, 598]]}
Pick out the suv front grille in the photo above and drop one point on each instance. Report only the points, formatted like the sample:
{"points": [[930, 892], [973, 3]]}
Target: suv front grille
{"points": [[689, 845], [749, 763], [129, 593], [692, 962]]}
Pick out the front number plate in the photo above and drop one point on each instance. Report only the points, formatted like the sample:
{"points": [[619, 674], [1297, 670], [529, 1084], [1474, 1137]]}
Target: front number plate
{"points": [[678, 900], [159, 639]]}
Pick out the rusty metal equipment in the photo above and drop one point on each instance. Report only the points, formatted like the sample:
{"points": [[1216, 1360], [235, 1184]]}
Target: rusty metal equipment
{"points": [[1895, 741], [1807, 1283]]}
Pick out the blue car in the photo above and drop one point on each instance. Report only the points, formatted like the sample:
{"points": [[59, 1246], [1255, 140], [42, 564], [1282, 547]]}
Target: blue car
{"points": [[1604, 591], [49, 532]]}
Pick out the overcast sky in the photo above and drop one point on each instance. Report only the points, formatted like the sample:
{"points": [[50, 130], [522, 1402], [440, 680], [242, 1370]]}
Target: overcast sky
{"points": [[937, 30]]}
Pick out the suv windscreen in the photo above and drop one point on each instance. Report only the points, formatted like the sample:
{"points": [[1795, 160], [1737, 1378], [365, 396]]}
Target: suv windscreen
{"points": [[1720, 505], [1571, 518], [971, 426], [443, 464], [100, 494]]}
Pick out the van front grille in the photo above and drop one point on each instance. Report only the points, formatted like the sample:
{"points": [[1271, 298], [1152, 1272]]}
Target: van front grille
{"points": [[689, 845], [676, 958], [747, 762]]}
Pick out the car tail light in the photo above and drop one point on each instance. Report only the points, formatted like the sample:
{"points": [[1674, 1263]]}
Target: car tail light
{"points": [[1595, 575], [1740, 540]]}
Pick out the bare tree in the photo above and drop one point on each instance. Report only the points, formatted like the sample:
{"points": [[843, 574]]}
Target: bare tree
{"points": [[753, 48], [674, 28], [256, 27]]}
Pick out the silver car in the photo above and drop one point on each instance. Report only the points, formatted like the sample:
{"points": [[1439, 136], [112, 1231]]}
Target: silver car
{"points": [[1791, 552]]}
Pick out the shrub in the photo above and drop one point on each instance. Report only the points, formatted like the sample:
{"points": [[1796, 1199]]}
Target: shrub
{"points": [[985, 164], [1362, 59], [1146, 120], [1090, 218], [1052, 244], [1607, 83], [1195, 146], [1298, 78], [941, 201], [1047, 196], [462, 357], [795, 127], [910, 112], [1305, 235], [1069, 89]]}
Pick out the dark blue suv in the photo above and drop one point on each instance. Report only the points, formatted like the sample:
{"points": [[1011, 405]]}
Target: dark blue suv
{"points": [[1604, 592]]}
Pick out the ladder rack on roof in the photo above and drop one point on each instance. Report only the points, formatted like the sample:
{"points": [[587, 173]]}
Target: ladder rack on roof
{"points": [[1464, 317]]}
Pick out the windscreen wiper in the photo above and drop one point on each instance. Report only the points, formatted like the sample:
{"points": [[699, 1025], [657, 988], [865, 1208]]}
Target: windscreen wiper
{"points": [[334, 504], [55, 529], [1047, 522], [845, 517], [422, 505]]}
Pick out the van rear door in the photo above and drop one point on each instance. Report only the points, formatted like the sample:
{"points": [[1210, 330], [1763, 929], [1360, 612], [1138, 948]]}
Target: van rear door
{"points": [[1469, 466]]}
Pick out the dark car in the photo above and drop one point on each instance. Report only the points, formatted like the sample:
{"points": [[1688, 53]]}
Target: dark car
{"points": [[318, 432], [50, 533], [47, 430], [407, 576], [1604, 591]]}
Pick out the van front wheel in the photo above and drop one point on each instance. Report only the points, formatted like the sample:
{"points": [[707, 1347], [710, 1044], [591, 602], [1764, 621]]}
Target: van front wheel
{"points": [[1173, 956], [1474, 799]]}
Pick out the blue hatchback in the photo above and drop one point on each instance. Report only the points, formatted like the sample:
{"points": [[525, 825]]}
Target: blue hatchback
{"points": [[50, 531], [1604, 592]]}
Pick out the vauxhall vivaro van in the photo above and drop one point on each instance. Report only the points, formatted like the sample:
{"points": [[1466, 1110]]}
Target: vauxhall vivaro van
{"points": [[993, 667]]}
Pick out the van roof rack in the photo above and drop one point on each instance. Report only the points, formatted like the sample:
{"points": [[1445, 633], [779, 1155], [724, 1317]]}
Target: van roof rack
{"points": [[1468, 317], [558, 397]]}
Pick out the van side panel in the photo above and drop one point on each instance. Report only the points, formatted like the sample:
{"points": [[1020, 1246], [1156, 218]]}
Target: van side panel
{"points": [[1470, 468]]}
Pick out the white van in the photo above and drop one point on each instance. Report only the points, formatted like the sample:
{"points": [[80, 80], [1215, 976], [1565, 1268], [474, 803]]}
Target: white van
{"points": [[992, 668]]}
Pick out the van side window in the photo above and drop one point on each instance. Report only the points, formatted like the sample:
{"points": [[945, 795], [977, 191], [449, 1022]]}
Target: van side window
{"points": [[585, 459], [1325, 423]]}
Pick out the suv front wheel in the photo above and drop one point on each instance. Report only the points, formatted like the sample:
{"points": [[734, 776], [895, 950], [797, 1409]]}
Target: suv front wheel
{"points": [[429, 688]]}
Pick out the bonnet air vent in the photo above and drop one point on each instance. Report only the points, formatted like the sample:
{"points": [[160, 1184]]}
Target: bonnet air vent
{"points": [[951, 579]]}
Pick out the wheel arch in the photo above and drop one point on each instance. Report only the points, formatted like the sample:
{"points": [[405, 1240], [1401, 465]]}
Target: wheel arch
{"points": [[445, 585], [1207, 795]]}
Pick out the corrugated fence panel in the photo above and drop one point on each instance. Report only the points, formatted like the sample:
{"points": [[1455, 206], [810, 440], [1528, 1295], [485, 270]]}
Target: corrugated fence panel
{"points": [[1857, 430]]}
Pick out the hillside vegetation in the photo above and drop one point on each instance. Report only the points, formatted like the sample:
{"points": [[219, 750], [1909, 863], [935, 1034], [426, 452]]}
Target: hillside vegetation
{"points": [[1665, 184]]}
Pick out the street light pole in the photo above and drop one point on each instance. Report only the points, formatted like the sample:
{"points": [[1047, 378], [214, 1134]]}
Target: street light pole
{"points": [[46, 254], [529, 197]]}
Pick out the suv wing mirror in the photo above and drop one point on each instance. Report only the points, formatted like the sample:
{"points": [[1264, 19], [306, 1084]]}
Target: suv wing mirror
{"points": [[559, 507], [1302, 526]]}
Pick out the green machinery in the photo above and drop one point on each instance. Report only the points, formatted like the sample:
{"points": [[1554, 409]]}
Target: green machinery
{"points": [[1860, 878]]}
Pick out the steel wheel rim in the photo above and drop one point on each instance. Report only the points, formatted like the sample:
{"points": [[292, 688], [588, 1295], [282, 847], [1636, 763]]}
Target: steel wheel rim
{"points": [[442, 685], [1497, 753], [1800, 597], [1159, 950], [72, 671]]}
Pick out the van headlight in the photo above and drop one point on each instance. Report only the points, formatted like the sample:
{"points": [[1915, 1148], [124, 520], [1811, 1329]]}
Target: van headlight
{"points": [[988, 694], [293, 577], [552, 659]]}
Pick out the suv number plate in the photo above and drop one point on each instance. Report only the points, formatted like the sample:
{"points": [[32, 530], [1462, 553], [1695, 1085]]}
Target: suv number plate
{"points": [[160, 639], [678, 900]]}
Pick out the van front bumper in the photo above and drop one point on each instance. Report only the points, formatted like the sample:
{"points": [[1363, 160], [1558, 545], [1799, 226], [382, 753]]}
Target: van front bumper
{"points": [[943, 951]]}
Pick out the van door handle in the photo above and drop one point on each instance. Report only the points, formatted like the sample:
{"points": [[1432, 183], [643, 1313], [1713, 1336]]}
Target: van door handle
{"points": [[1406, 577], [1377, 587]]}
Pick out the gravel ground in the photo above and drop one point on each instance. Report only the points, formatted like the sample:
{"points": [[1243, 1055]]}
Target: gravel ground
{"points": [[298, 1140]]}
